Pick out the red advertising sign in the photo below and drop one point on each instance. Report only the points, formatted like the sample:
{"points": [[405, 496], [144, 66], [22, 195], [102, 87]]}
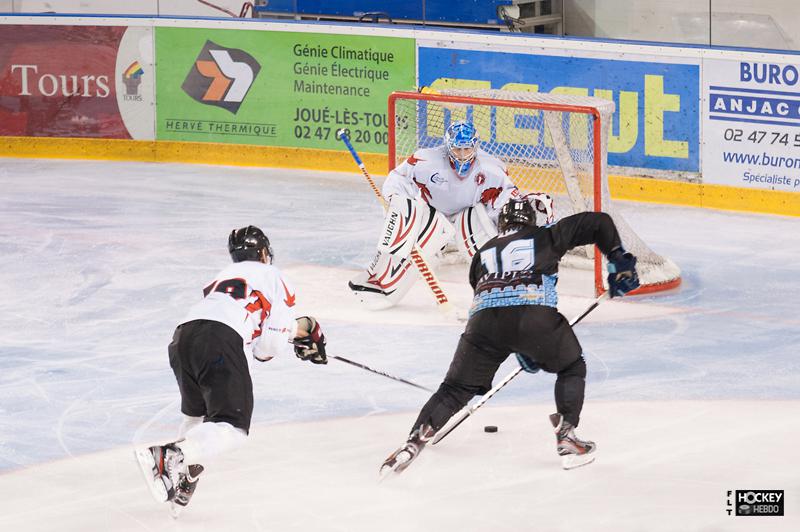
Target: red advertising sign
{"points": [[59, 81]]}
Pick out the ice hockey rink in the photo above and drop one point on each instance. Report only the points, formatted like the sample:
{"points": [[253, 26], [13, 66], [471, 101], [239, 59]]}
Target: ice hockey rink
{"points": [[690, 394]]}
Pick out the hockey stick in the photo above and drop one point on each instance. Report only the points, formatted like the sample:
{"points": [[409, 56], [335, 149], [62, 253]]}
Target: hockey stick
{"points": [[424, 270], [469, 410], [367, 368]]}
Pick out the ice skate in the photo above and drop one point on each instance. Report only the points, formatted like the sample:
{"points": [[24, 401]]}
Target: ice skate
{"points": [[574, 452], [162, 466], [399, 460], [369, 291], [185, 489]]}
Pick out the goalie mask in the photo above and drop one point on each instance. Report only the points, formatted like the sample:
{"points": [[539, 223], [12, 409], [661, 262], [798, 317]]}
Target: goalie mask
{"points": [[461, 140], [515, 214], [247, 243]]}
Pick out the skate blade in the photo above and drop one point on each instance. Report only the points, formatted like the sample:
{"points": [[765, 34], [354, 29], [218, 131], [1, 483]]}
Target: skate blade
{"points": [[572, 461], [373, 302], [396, 468], [385, 472], [146, 464], [175, 509]]}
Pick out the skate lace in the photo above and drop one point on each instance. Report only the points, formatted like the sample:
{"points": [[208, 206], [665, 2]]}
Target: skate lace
{"points": [[174, 467]]}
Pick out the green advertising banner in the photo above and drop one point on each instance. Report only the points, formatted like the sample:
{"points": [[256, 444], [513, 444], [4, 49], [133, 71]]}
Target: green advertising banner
{"points": [[278, 88]]}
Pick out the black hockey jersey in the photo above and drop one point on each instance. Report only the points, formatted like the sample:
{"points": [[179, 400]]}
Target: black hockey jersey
{"points": [[521, 267]]}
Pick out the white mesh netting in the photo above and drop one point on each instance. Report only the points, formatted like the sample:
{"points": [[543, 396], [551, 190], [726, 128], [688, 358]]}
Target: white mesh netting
{"points": [[548, 143]]}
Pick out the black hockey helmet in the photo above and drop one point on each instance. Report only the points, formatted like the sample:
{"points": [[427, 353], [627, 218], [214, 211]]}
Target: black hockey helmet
{"points": [[517, 212], [246, 244]]}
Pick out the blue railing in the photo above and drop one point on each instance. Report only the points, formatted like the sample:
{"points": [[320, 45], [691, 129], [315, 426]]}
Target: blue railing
{"points": [[466, 12]]}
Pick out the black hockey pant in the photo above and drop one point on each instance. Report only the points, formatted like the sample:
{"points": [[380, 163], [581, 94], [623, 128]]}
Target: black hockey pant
{"points": [[491, 335]]}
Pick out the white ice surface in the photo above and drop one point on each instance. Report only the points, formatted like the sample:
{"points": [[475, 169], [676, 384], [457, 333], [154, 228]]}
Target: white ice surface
{"points": [[689, 394]]}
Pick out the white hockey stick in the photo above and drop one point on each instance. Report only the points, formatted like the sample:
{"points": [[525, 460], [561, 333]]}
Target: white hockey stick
{"points": [[468, 410], [424, 270]]}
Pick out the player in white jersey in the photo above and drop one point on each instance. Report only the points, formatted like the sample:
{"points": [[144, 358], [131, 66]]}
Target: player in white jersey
{"points": [[246, 313], [454, 190]]}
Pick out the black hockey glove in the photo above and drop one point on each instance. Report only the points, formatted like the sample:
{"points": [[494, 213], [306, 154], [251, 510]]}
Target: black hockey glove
{"points": [[527, 364], [311, 347], [622, 276]]}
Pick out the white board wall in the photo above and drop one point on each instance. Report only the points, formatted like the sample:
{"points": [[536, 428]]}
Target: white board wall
{"points": [[750, 23]]}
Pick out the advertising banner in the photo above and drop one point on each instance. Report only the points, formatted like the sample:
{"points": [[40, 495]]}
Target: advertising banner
{"points": [[278, 88], [76, 81], [751, 124], [657, 120]]}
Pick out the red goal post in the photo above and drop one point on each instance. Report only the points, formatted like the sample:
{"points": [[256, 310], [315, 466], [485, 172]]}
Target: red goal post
{"points": [[550, 143]]}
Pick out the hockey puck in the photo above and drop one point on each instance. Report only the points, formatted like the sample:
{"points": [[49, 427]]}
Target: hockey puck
{"points": [[490, 428]]}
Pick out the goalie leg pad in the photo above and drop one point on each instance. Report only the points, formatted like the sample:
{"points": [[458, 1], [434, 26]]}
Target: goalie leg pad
{"points": [[436, 233], [391, 273], [401, 226], [473, 229]]}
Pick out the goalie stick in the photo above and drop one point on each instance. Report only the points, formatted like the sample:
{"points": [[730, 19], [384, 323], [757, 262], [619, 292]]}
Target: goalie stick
{"points": [[469, 410], [425, 271]]}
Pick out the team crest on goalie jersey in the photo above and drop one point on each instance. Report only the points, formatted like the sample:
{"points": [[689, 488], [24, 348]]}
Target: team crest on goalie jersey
{"points": [[490, 195]]}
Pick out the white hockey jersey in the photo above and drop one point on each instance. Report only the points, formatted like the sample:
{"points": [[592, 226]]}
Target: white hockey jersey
{"points": [[256, 301], [429, 175]]}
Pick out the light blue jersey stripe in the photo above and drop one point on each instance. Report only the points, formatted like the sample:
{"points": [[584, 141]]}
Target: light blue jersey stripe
{"points": [[532, 294]]}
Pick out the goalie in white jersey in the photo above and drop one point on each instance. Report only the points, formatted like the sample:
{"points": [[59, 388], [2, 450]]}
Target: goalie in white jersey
{"points": [[454, 191], [246, 314]]}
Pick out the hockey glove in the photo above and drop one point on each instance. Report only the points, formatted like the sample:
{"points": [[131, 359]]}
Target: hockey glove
{"points": [[527, 364], [312, 346], [622, 276]]}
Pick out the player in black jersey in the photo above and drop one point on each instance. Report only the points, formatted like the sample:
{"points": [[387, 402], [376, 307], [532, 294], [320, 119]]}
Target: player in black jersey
{"points": [[514, 277]]}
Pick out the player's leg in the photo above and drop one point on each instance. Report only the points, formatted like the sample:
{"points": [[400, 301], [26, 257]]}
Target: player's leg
{"points": [[224, 377], [479, 353], [227, 389], [391, 272], [212, 373], [545, 336], [569, 395], [188, 423], [471, 372], [162, 465], [569, 391], [193, 405]]}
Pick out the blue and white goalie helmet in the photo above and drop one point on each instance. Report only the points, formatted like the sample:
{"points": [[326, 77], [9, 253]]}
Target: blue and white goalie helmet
{"points": [[461, 139]]}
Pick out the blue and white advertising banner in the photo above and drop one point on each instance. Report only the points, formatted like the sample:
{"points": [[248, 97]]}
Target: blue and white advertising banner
{"points": [[657, 122], [751, 124]]}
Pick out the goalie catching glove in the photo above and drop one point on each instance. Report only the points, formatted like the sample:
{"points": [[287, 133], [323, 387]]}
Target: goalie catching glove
{"points": [[310, 346], [622, 276]]}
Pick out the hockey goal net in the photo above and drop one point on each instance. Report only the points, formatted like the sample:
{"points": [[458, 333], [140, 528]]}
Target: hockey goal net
{"points": [[550, 143]]}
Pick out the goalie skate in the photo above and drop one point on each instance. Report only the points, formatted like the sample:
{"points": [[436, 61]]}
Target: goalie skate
{"points": [[574, 451], [399, 460], [376, 296]]}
